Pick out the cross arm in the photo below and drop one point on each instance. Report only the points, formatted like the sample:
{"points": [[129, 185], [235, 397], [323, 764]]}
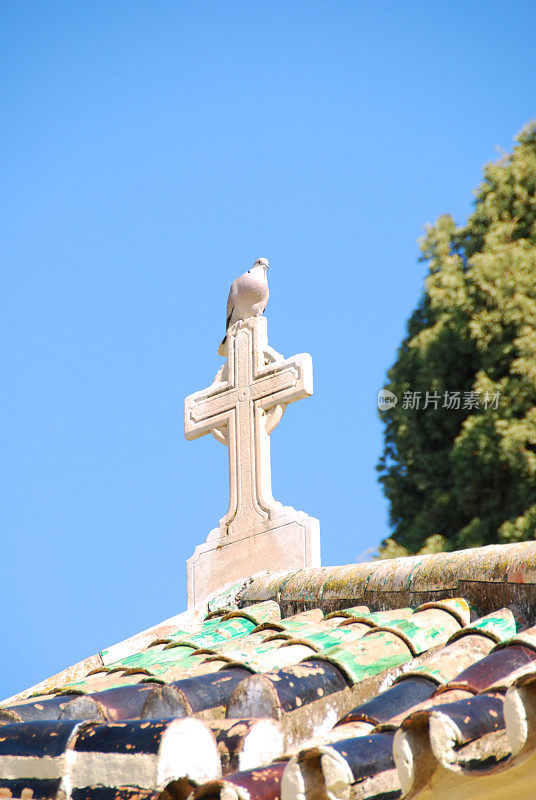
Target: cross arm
{"points": [[289, 381], [208, 409]]}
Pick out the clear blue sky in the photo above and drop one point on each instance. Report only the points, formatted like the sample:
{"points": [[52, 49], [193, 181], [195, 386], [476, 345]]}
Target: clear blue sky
{"points": [[150, 152]]}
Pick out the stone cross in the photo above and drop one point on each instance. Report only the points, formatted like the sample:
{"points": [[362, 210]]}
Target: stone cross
{"points": [[241, 408]]}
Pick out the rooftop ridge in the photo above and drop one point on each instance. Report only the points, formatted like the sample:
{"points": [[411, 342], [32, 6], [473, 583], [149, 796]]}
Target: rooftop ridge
{"points": [[488, 577]]}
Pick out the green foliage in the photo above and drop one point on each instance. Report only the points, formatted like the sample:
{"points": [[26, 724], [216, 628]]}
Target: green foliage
{"points": [[433, 544], [463, 477]]}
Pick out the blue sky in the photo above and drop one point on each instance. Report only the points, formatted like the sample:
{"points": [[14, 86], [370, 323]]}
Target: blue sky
{"points": [[150, 152]]}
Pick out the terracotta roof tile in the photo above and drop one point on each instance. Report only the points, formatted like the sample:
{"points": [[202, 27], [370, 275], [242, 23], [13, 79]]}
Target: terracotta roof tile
{"points": [[495, 669], [260, 783], [208, 693], [359, 767], [394, 701], [455, 726]]}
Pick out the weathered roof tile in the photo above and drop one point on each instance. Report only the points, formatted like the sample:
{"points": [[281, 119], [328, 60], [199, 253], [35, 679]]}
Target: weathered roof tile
{"points": [[260, 783], [207, 693], [494, 669], [394, 701], [358, 767], [456, 725]]}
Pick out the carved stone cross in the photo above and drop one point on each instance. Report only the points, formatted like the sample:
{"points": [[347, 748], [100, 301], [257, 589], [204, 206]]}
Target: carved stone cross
{"points": [[241, 408]]}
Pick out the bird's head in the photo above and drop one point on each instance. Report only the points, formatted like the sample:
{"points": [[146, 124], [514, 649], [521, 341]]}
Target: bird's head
{"points": [[262, 262]]}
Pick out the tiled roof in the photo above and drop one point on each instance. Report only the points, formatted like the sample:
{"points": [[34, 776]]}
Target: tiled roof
{"points": [[367, 681]]}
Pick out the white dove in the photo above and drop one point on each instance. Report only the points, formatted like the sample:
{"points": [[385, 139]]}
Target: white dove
{"points": [[248, 296]]}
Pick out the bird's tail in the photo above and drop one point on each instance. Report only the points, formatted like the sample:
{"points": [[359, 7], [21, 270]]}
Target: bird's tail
{"points": [[222, 349]]}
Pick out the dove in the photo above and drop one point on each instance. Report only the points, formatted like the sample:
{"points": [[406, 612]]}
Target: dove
{"points": [[248, 296]]}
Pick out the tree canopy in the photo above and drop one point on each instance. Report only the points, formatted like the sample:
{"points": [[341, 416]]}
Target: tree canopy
{"points": [[459, 461]]}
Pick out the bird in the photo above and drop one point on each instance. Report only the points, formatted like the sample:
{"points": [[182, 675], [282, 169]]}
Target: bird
{"points": [[248, 296]]}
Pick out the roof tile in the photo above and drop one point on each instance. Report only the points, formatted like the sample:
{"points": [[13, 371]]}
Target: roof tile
{"points": [[208, 693], [456, 725], [358, 767], [494, 669], [394, 701], [260, 783]]}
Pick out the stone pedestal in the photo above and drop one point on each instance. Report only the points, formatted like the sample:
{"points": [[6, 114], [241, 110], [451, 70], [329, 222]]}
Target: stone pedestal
{"points": [[241, 408], [289, 542]]}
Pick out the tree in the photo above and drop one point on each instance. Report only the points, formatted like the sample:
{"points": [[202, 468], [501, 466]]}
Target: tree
{"points": [[460, 470]]}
